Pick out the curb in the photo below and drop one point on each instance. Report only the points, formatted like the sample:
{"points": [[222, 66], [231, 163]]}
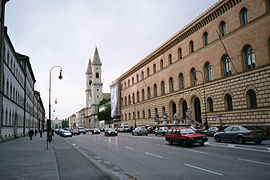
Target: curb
{"points": [[98, 165]]}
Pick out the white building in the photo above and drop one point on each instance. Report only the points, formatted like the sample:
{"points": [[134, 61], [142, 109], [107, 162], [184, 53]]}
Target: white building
{"points": [[72, 121]]}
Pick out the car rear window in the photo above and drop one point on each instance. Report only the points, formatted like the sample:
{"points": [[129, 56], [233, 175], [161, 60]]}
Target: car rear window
{"points": [[187, 131]]}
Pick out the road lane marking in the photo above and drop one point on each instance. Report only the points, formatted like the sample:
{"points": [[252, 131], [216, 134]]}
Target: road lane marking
{"points": [[129, 147], [268, 149], [153, 155], [196, 151], [140, 141], [231, 145], [74, 144], [258, 162], [216, 173], [248, 149]]}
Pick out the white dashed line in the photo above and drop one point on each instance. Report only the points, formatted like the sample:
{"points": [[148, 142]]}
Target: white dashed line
{"points": [[153, 155], [216, 173], [74, 144], [257, 162], [231, 145], [197, 151], [129, 147], [140, 141]]}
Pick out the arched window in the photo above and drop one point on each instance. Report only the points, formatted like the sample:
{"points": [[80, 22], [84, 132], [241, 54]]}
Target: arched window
{"points": [[148, 72], [162, 85], [193, 77], [97, 75], [210, 105], [180, 53], [128, 83], [244, 16], [143, 96], [181, 81], [161, 64], [125, 116], [134, 115], [222, 28], [143, 113], [129, 100], [155, 90], [138, 96], [149, 92], [142, 75], [129, 116], [171, 84], [170, 59], [163, 110], [138, 114], [227, 65], [205, 38], [137, 78], [251, 99], [7, 88], [208, 70], [125, 84], [154, 68], [191, 46], [249, 57], [132, 80], [228, 102], [133, 98], [149, 113]]}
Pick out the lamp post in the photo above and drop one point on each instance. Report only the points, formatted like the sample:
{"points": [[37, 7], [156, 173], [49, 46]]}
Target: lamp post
{"points": [[204, 100], [49, 128]]}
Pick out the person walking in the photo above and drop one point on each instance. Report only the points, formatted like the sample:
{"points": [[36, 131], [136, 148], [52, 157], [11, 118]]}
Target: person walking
{"points": [[40, 132], [30, 133], [35, 132]]}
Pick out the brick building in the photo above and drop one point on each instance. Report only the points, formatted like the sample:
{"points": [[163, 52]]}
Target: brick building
{"points": [[216, 66]]}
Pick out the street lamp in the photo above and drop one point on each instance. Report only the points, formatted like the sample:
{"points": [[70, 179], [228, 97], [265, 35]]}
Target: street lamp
{"points": [[49, 128], [204, 99]]}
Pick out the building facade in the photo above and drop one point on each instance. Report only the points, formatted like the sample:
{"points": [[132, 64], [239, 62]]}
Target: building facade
{"points": [[22, 105], [72, 121], [215, 68]]}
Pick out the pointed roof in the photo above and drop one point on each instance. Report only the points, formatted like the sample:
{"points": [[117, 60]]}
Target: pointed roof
{"points": [[96, 59], [89, 67]]}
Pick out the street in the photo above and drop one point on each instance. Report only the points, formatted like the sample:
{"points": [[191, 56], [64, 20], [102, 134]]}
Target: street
{"points": [[150, 157]]}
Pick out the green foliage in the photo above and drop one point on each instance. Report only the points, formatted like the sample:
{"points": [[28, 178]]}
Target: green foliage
{"points": [[65, 123], [74, 124], [104, 101], [106, 114]]}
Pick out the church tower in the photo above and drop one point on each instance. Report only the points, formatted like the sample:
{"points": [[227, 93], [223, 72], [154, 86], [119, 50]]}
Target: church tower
{"points": [[94, 92]]}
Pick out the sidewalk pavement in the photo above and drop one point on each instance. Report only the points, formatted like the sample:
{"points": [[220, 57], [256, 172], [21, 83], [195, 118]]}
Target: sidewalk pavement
{"points": [[23, 158]]}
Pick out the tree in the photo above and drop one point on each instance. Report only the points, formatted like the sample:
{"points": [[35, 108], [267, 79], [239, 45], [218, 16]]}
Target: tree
{"points": [[105, 114], [65, 123]]}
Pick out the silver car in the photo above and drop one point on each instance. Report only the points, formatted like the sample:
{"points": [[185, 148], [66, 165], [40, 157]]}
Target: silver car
{"points": [[239, 134], [139, 131]]}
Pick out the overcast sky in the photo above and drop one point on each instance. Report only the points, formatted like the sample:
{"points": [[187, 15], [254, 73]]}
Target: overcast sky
{"points": [[66, 32]]}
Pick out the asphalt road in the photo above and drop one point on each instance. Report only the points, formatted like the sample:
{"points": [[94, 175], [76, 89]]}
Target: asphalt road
{"points": [[151, 158]]}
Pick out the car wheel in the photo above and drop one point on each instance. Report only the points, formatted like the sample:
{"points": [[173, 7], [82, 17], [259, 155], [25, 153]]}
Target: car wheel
{"points": [[155, 134], [258, 142], [217, 139], [146, 134], [240, 140], [170, 142], [201, 143], [116, 134]]}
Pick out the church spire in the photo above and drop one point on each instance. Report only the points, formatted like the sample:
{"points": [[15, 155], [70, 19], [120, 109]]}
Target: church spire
{"points": [[96, 59], [89, 67]]}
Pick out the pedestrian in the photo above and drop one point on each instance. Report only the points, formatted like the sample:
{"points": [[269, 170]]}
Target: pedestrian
{"points": [[30, 133], [40, 132], [35, 132]]}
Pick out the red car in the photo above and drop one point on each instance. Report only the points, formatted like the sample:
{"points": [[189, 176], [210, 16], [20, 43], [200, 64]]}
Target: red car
{"points": [[185, 136]]}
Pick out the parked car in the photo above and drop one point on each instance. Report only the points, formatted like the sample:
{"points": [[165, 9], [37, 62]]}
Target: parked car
{"points": [[240, 134], [161, 131], [150, 129], [75, 131], [139, 131], [82, 130], [96, 131], [185, 136], [211, 131], [64, 133], [110, 132]]}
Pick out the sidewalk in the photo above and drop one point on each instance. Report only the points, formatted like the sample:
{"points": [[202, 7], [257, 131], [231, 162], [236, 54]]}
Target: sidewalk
{"points": [[31, 160]]}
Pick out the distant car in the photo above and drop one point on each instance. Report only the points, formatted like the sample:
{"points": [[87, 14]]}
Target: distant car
{"points": [[161, 131], [96, 131], [185, 136], [211, 131], [150, 129], [110, 132], [139, 131], [82, 130], [240, 134], [75, 131], [65, 133]]}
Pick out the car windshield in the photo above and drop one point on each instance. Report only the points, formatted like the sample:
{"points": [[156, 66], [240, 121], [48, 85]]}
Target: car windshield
{"points": [[143, 128], [187, 131], [96, 129], [111, 129]]}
